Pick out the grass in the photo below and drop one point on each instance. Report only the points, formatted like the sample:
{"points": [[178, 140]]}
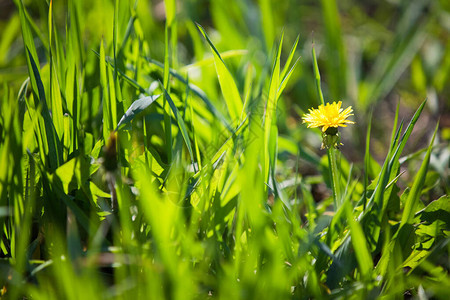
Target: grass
{"points": [[160, 154]]}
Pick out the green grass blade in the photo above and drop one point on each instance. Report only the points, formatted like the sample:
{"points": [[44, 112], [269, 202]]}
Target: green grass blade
{"points": [[166, 74], [289, 59], [317, 76], [136, 107], [360, 246], [56, 101], [227, 84], [53, 143], [419, 179], [197, 91], [181, 124], [367, 160], [170, 6], [407, 133], [107, 121], [115, 35], [28, 41], [270, 117], [391, 163], [287, 77]]}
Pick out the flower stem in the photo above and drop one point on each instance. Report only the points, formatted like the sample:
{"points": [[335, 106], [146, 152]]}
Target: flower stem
{"points": [[335, 176], [334, 171]]}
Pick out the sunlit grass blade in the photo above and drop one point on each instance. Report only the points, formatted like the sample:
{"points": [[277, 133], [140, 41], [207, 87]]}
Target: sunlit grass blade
{"points": [[391, 163], [397, 249], [367, 160], [180, 123], [56, 103], [228, 86], [286, 78], [270, 117], [419, 178], [317, 76], [166, 74], [136, 107], [197, 91], [286, 68], [28, 41], [107, 95], [51, 137], [188, 102]]}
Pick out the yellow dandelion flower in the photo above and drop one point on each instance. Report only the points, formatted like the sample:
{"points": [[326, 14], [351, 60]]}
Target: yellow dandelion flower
{"points": [[329, 115]]}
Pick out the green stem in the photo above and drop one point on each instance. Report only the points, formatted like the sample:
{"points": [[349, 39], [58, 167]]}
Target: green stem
{"points": [[335, 177], [317, 75], [334, 171]]}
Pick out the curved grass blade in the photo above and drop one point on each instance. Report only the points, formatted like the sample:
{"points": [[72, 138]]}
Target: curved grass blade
{"points": [[228, 86], [419, 179], [135, 108], [404, 232], [317, 75], [131, 81], [180, 123], [289, 59], [196, 90], [366, 160], [54, 147], [270, 118]]}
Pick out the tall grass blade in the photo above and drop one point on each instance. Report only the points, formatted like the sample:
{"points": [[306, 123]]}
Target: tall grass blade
{"points": [[166, 74], [270, 118], [181, 124], [419, 179], [51, 137], [227, 84], [317, 76], [367, 160]]}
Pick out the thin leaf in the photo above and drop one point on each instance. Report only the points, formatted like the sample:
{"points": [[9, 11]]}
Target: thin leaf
{"points": [[419, 179], [228, 86], [180, 123], [54, 148], [317, 76], [136, 107]]}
